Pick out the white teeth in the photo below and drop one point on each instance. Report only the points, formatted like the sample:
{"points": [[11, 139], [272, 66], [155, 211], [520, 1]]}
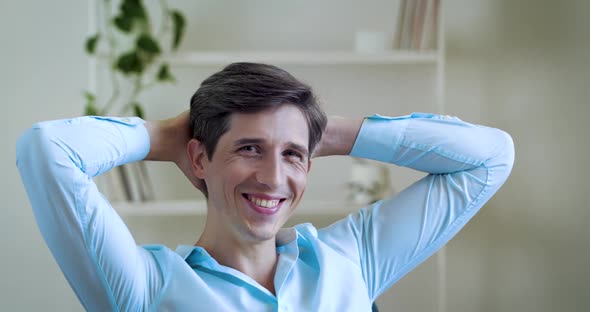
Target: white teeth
{"points": [[264, 202]]}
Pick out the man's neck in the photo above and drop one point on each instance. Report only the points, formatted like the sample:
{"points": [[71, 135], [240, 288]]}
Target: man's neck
{"points": [[257, 260]]}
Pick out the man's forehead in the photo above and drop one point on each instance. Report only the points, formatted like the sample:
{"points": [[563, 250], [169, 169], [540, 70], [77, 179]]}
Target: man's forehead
{"points": [[286, 123]]}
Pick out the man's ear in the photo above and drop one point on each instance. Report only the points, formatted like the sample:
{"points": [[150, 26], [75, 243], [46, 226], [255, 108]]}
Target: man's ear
{"points": [[197, 156], [308, 165]]}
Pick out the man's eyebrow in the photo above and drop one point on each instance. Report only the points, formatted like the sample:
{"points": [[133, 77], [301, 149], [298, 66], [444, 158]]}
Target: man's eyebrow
{"points": [[244, 141]]}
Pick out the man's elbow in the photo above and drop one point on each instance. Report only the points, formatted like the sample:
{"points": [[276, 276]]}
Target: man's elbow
{"points": [[33, 148], [503, 158]]}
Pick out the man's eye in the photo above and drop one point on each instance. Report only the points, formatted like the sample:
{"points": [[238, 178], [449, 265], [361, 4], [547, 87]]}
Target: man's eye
{"points": [[294, 155], [248, 149]]}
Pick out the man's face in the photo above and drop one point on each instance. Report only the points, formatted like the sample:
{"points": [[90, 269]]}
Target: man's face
{"points": [[258, 173]]}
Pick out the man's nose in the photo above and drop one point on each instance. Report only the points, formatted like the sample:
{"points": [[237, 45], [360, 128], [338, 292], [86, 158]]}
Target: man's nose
{"points": [[270, 172]]}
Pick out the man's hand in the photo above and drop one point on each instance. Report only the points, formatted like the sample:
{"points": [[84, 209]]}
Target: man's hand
{"points": [[168, 142]]}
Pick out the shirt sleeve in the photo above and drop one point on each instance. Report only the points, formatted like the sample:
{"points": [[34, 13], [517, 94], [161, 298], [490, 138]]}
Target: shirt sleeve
{"points": [[88, 239], [465, 165]]}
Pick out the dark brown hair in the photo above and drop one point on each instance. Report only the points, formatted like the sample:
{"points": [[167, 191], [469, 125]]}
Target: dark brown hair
{"points": [[249, 88]]}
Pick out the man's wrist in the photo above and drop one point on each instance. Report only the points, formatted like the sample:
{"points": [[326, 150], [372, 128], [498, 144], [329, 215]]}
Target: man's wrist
{"points": [[339, 136], [168, 138], [162, 147], [154, 129]]}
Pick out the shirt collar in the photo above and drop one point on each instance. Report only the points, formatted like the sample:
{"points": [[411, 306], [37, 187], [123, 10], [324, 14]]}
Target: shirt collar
{"points": [[184, 250]]}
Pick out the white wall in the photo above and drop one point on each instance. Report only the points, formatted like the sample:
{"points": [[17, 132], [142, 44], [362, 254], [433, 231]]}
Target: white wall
{"points": [[518, 65], [42, 75], [525, 63]]}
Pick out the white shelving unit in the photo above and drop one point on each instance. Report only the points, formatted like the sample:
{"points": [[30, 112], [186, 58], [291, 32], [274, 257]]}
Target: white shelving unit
{"points": [[306, 58]]}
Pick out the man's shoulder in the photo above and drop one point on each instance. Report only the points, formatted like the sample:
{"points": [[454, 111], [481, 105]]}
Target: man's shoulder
{"points": [[160, 252]]}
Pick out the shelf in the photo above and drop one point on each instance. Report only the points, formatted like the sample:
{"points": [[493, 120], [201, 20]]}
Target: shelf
{"points": [[199, 208], [303, 58]]}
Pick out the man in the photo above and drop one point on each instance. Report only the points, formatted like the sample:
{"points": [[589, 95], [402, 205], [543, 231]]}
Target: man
{"points": [[248, 144]]}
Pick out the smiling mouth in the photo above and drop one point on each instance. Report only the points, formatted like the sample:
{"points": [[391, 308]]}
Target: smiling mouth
{"points": [[263, 202]]}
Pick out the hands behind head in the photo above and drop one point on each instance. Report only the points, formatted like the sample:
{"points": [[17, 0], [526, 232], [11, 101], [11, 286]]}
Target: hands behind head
{"points": [[182, 125], [168, 142]]}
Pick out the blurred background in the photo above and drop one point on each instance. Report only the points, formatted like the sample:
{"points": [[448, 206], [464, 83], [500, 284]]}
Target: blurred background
{"points": [[517, 65]]}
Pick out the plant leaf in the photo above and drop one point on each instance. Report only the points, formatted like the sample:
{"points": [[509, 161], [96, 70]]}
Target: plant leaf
{"points": [[179, 24], [138, 110], [123, 23], [130, 63], [164, 74], [131, 13], [90, 109], [133, 9], [89, 97], [147, 44], [91, 44]]}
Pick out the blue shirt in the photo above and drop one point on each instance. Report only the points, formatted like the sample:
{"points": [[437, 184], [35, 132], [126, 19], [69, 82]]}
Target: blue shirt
{"points": [[343, 267]]}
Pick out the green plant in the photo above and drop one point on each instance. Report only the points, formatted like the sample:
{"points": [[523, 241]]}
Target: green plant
{"points": [[134, 51]]}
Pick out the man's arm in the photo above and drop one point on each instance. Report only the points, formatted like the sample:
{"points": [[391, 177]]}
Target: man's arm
{"points": [[97, 254], [465, 165]]}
